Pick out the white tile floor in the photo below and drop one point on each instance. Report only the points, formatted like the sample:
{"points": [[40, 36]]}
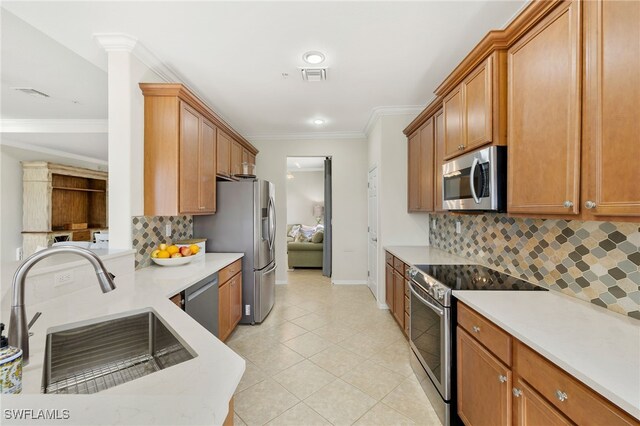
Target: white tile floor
{"points": [[326, 355]]}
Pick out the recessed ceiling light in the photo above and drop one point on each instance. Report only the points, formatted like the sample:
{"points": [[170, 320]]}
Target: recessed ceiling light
{"points": [[318, 121], [313, 57]]}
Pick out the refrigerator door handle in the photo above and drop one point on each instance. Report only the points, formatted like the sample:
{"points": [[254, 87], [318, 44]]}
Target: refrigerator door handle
{"points": [[270, 270], [272, 223]]}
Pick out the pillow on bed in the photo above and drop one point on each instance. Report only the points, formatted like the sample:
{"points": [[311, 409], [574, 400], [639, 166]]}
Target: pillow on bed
{"points": [[317, 237]]}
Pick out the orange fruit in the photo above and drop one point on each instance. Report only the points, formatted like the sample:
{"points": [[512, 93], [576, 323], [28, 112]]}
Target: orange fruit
{"points": [[163, 254], [173, 249], [194, 248]]}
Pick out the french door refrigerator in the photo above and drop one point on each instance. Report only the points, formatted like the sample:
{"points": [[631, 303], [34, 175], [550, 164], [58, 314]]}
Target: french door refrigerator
{"points": [[245, 222]]}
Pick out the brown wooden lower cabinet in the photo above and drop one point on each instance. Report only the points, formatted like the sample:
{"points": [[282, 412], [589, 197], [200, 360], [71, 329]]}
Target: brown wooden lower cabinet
{"points": [[484, 384], [388, 286], [395, 290], [398, 298], [525, 389], [529, 408], [177, 300], [229, 299], [228, 421]]}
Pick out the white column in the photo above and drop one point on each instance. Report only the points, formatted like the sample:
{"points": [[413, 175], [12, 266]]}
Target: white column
{"points": [[121, 143]]}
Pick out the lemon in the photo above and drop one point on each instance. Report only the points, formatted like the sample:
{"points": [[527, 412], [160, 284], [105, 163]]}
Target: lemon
{"points": [[194, 248], [173, 249], [163, 254], [155, 253], [162, 246]]}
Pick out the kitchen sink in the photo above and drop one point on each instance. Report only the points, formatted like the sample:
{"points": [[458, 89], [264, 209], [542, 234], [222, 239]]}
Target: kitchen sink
{"points": [[90, 358]]}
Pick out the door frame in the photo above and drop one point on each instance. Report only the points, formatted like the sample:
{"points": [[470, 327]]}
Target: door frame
{"points": [[373, 281]]}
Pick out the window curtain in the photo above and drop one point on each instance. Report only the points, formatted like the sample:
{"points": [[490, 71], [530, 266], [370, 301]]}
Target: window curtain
{"points": [[328, 205]]}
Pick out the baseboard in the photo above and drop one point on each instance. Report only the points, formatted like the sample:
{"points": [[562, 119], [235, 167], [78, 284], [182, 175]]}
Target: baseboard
{"points": [[280, 282], [382, 306], [349, 282]]}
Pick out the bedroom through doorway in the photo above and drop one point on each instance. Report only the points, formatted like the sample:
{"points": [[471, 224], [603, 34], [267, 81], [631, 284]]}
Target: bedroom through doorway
{"points": [[308, 212]]}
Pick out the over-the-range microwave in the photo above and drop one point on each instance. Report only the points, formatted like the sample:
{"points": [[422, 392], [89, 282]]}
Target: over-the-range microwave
{"points": [[476, 181]]}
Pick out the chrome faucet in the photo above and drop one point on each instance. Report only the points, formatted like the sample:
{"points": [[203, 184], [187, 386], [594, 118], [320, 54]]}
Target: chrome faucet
{"points": [[18, 330]]}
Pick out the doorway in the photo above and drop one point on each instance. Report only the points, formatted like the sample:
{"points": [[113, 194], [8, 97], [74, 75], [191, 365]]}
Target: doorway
{"points": [[372, 231], [308, 213]]}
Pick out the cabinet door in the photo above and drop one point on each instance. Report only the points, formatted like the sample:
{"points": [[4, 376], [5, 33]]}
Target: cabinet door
{"points": [[544, 115], [223, 151], [189, 159], [425, 186], [413, 172], [388, 286], [208, 168], [236, 158], [612, 115], [531, 409], [235, 300], [398, 298], [478, 111], [224, 311], [484, 384], [438, 124], [453, 136]]}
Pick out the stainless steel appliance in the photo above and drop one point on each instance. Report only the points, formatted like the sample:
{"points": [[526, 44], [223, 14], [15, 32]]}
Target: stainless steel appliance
{"points": [[245, 222], [476, 181], [432, 324], [201, 303]]}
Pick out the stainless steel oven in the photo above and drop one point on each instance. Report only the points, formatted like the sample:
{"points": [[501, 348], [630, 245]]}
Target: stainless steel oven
{"points": [[476, 181], [430, 338]]}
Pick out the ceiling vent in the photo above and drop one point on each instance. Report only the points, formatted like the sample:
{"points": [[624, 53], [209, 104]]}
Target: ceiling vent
{"points": [[314, 74], [31, 92]]}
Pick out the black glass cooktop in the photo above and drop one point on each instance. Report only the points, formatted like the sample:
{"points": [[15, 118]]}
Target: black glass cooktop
{"points": [[476, 277]]}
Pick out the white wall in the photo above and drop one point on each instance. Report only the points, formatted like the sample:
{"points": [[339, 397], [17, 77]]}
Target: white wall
{"points": [[304, 191], [349, 199], [387, 150]]}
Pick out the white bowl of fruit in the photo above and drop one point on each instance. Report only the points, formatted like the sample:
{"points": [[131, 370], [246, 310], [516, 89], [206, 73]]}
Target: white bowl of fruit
{"points": [[173, 255]]}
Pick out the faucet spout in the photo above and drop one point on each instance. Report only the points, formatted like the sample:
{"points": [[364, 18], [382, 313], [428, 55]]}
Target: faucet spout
{"points": [[18, 330]]}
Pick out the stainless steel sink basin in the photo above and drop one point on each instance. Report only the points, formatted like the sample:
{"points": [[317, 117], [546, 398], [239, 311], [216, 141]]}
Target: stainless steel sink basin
{"points": [[90, 358]]}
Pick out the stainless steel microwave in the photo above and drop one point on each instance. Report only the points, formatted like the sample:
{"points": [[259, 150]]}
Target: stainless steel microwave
{"points": [[476, 181]]}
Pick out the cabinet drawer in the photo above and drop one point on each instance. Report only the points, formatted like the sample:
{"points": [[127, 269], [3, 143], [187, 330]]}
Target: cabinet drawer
{"points": [[229, 271], [388, 257], [81, 235], [487, 333], [398, 265], [578, 402]]}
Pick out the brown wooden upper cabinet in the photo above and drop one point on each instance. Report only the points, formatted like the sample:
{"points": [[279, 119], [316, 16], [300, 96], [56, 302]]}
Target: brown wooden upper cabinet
{"points": [[420, 169], [611, 123], [438, 124], [544, 115], [224, 155], [179, 159], [250, 159], [469, 109], [236, 158]]}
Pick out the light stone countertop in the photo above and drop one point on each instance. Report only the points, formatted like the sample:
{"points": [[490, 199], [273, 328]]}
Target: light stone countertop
{"points": [[193, 392], [599, 347]]}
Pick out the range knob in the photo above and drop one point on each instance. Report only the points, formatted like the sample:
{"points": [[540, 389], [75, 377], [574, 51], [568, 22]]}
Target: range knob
{"points": [[440, 293]]}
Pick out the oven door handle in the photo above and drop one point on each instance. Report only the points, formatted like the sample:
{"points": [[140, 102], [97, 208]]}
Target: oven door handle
{"points": [[432, 306], [471, 183]]}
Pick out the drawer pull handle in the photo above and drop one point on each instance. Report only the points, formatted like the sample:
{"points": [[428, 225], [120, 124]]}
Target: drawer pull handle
{"points": [[502, 378], [516, 392], [475, 329], [562, 396]]}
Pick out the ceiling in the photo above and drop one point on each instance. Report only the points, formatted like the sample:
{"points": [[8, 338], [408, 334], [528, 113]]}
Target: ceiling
{"points": [[379, 54], [301, 164], [89, 145]]}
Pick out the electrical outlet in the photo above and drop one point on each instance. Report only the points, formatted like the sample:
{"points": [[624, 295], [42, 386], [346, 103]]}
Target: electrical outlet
{"points": [[63, 277], [458, 227], [167, 230], [19, 253], [247, 309]]}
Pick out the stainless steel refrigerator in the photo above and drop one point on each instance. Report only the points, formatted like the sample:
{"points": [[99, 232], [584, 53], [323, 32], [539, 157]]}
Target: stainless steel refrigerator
{"points": [[245, 222]]}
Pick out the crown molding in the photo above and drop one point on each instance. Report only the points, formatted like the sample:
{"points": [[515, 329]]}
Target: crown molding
{"points": [[116, 42], [37, 125], [381, 111], [54, 152], [306, 136]]}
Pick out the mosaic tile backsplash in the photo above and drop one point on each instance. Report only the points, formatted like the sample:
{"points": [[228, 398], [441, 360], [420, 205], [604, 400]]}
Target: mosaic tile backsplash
{"points": [[148, 232], [594, 261]]}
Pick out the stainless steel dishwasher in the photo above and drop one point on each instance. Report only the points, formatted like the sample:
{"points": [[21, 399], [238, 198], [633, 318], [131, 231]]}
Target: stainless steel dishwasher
{"points": [[201, 302]]}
